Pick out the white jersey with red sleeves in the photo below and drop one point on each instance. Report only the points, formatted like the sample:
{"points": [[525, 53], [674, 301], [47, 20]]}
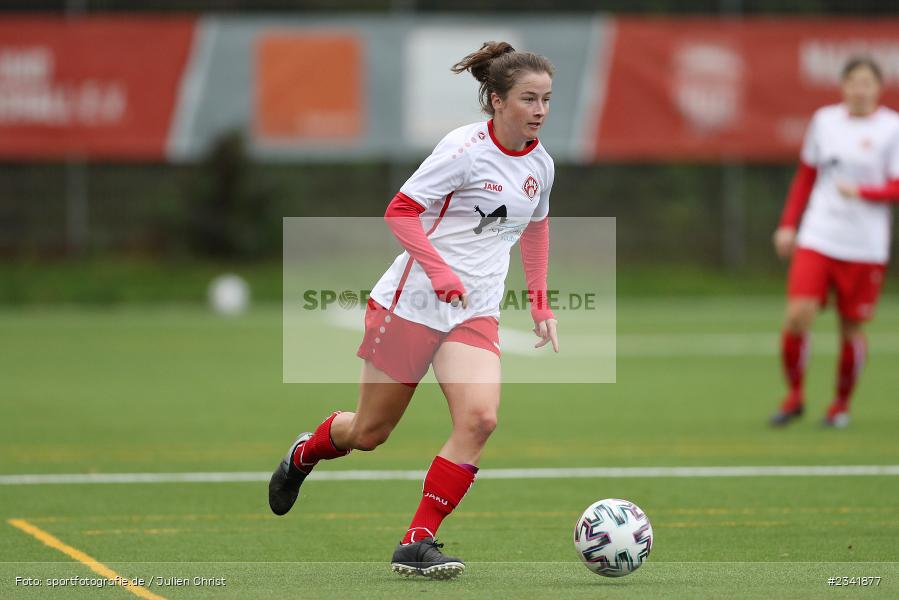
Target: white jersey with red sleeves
{"points": [[478, 198], [856, 150]]}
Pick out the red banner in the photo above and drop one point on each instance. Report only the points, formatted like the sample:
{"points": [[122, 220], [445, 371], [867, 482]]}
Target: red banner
{"points": [[711, 89], [100, 88]]}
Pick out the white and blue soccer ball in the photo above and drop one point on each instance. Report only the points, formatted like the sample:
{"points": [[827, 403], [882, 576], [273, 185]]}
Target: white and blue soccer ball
{"points": [[613, 537]]}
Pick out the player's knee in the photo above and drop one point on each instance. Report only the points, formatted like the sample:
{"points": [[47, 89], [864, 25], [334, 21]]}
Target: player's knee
{"points": [[851, 329], [370, 438], [482, 423], [794, 325], [799, 318]]}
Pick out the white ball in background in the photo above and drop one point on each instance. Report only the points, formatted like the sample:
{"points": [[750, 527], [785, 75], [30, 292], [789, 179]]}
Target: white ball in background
{"points": [[229, 294]]}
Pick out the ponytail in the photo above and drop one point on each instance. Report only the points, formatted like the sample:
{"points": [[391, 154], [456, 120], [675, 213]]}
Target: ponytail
{"points": [[497, 66]]}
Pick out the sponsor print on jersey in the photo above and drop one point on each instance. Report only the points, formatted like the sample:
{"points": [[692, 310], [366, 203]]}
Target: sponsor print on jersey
{"points": [[499, 214], [530, 187], [507, 232]]}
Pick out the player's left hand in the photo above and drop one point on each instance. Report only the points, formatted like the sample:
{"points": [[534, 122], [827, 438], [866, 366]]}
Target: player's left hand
{"points": [[546, 331], [848, 190]]}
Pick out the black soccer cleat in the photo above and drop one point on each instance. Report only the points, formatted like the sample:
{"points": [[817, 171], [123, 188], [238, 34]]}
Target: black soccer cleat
{"points": [[784, 417], [284, 486], [424, 558]]}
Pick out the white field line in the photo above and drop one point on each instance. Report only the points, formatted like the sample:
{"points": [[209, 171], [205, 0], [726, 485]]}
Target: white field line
{"points": [[562, 473], [661, 345], [734, 344]]}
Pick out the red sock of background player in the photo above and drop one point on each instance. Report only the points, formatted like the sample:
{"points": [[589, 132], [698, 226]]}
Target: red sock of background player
{"points": [[445, 485], [794, 352], [852, 359], [319, 447]]}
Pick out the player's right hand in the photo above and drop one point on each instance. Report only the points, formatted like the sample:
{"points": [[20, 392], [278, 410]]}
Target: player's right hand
{"points": [[460, 299], [450, 289], [785, 241], [848, 190]]}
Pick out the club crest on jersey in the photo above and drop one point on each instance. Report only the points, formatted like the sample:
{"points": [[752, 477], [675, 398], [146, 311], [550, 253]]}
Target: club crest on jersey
{"points": [[530, 187]]}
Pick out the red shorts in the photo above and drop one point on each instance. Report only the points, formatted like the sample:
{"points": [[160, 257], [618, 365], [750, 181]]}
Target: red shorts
{"points": [[857, 284], [404, 349]]}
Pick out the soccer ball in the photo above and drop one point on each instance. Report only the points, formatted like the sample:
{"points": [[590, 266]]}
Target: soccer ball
{"points": [[613, 537]]}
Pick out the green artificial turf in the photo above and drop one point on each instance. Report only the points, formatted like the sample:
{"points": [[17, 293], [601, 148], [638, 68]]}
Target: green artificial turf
{"points": [[174, 389]]}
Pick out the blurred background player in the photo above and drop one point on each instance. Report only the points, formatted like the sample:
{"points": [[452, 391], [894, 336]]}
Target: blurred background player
{"points": [[484, 186], [848, 173]]}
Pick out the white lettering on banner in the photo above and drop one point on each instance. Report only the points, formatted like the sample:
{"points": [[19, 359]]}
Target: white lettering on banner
{"points": [[821, 62], [708, 84], [34, 64], [29, 95]]}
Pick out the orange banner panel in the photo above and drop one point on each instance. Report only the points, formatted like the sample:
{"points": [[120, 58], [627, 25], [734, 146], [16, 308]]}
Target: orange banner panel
{"points": [[95, 87], [711, 89], [309, 87]]}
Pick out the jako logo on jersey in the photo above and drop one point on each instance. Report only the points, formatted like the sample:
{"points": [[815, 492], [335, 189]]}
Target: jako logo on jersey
{"points": [[530, 187], [493, 187], [482, 135], [437, 498]]}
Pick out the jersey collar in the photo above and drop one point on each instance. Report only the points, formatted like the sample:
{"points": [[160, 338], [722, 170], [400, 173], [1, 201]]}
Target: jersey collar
{"points": [[849, 115], [527, 148]]}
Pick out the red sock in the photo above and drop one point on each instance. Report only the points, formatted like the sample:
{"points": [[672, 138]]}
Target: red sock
{"points": [[445, 485], [852, 359], [318, 447], [794, 355]]}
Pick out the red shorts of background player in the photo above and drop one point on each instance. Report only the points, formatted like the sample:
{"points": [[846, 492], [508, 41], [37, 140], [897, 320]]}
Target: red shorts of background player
{"points": [[857, 285], [404, 349]]}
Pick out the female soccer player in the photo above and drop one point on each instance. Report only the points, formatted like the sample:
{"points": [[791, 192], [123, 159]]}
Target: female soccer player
{"points": [[485, 186], [849, 168]]}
